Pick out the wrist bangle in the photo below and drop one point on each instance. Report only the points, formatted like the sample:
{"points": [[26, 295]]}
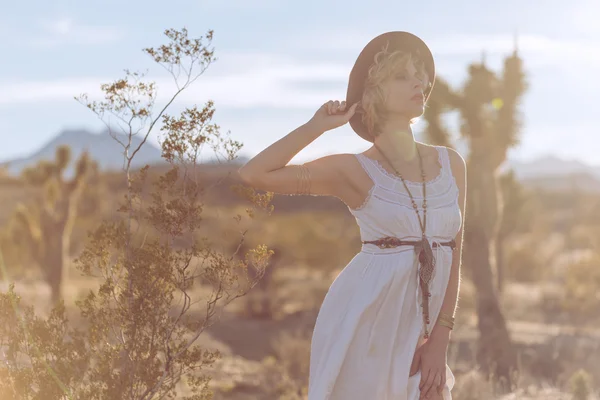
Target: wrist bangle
{"points": [[446, 316], [446, 320], [447, 324]]}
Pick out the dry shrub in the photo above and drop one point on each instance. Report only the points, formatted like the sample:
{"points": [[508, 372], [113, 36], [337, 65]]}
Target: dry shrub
{"points": [[316, 240], [143, 320], [292, 360], [473, 386], [262, 302], [582, 297], [581, 385], [551, 303], [523, 264]]}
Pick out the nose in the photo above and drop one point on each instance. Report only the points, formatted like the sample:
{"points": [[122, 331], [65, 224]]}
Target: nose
{"points": [[418, 83]]}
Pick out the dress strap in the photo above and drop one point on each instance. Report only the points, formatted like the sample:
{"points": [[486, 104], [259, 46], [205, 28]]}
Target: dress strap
{"points": [[368, 166], [444, 158]]}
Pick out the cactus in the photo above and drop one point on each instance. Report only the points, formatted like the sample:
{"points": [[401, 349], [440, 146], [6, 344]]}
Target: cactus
{"points": [[488, 108], [45, 225]]}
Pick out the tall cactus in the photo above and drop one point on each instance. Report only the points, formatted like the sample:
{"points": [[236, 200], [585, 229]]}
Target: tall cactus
{"points": [[45, 224], [489, 121]]}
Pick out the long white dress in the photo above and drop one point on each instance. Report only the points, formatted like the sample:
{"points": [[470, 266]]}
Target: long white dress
{"points": [[370, 322]]}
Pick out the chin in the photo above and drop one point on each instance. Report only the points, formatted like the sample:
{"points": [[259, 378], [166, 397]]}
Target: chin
{"points": [[416, 113], [412, 110]]}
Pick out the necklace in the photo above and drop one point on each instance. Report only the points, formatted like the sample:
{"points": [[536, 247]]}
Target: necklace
{"points": [[423, 248]]}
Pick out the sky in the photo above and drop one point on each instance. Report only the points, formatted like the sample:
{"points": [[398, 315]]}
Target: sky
{"points": [[278, 61]]}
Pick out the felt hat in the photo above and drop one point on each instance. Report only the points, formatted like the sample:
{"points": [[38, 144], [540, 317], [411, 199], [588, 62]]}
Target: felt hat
{"points": [[395, 40]]}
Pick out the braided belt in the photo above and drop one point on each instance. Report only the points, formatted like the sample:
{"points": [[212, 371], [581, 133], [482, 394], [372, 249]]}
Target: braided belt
{"points": [[427, 264], [389, 242]]}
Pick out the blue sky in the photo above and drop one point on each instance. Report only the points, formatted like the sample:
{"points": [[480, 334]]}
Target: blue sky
{"points": [[279, 60]]}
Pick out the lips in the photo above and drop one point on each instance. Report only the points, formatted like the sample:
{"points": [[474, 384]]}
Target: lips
{"points": [[418, 97]]}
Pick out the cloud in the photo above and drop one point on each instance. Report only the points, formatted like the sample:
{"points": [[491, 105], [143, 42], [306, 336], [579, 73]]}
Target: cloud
{"points": [[65, 31], [265, 79], [535, 48], [260, 81], [47, 91], [538, 50]]}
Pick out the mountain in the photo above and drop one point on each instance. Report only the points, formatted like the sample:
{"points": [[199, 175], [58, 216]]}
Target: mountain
{"points": [[548, 172], [553, 166], [554, 173], [101, 147]]}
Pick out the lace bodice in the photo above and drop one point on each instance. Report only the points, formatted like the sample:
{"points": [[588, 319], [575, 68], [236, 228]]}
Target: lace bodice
{"points": [[387, 209]]}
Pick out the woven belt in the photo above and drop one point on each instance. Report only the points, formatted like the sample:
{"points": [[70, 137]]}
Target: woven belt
{"points": [[389, 242]]}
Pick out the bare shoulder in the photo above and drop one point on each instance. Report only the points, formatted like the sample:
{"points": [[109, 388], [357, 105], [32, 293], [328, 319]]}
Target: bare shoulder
{"points": [[353, 183], [336, 160], [344, 160], [339, 162], [347, 181]]}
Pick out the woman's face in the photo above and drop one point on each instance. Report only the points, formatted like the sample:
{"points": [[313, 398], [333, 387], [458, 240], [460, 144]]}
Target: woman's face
{"points": [[404, 91]]}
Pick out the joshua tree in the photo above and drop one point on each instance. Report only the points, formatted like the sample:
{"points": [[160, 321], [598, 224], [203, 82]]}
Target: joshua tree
{"points": [[513, 218], [487, 104], [44, 226]]}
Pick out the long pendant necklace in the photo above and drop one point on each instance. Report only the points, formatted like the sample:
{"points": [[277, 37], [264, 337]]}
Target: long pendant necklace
{"points": [[426, 257]]}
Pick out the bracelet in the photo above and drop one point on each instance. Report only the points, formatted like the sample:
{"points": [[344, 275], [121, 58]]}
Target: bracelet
{"points": [[446, 320], [446, 316], [303, 183], [445, 323]]}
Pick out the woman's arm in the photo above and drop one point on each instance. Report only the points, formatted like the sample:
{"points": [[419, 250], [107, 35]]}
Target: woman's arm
{"points": [[432, 356], [269, 170], [459, 169]]}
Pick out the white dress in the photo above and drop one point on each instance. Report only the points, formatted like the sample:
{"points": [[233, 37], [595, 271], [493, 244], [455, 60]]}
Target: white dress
{"points": [[370, 322]]}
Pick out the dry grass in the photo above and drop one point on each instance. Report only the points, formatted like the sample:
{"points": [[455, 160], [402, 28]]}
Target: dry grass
{"points": [[266, 354], [278, 368]]}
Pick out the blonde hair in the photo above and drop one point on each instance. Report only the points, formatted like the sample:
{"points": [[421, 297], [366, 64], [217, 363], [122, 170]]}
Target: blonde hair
{"points": [[385, 65]]}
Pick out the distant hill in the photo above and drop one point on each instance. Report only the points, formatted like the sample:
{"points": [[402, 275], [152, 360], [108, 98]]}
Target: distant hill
{"points": [[548, 172], [553, 166], [102, 148], [551, 172]]}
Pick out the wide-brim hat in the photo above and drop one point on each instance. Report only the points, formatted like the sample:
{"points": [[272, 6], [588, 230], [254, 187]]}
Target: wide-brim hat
{"points": [[396, 40]]}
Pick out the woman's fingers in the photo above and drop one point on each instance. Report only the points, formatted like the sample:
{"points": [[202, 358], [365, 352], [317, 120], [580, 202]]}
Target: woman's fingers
{"points": [[424, 376], [442, 383], [414, 367], [340, 109], [430, 384], [335, 106], [427, 383]]}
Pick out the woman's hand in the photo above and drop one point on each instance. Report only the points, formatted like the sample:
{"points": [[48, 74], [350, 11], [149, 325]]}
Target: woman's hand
{"points": [[431, 358], [332, 114]]}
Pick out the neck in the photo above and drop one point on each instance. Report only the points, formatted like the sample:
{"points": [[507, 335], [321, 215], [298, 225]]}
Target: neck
{"points": [[395, 139]]}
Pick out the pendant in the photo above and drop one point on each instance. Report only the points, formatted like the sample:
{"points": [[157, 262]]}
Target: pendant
{"points": [[427, 260]]}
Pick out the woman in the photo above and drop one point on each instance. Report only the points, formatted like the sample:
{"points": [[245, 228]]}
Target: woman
{"points": [[374, 338]]}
